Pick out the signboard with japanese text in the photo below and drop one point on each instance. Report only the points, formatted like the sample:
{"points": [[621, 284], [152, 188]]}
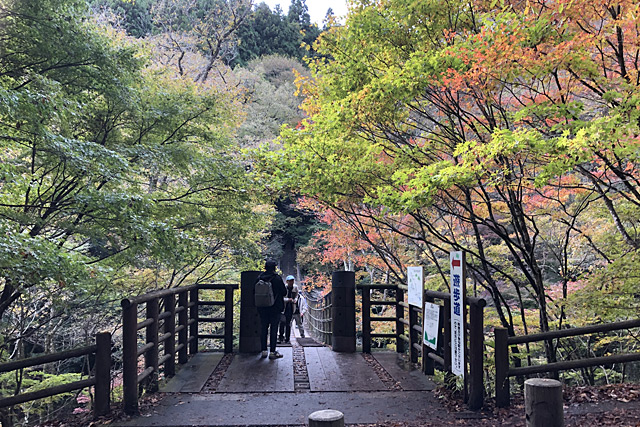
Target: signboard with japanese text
{"points": [[415, 283], [430, 325], [457, 312]]}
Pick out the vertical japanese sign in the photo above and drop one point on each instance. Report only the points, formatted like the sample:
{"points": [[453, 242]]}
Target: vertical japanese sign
{"points": [[415, 283], [431, 316], [457, 312]]}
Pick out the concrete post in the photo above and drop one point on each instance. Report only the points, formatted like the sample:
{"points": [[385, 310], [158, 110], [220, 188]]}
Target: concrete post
{"points": [[249, 318], [343, 294], [326, 418], [543, 403]]}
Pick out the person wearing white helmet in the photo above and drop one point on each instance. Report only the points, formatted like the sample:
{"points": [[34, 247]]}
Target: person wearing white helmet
{"points": [[290, 308]]}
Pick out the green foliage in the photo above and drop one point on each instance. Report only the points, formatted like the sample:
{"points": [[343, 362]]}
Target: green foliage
{"points": [[268, 32], [110, 166]]}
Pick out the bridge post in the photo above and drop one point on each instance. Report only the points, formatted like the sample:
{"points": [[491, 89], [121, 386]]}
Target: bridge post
{"points": [[343, 292], [249, 319], [228, 319]]}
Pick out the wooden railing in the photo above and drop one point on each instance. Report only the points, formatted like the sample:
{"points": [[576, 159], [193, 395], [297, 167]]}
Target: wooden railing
{"points": [[503, 341], [474, 345], [410, 316], [398, 318], [318, 320], [101, 379], [183, 302]]}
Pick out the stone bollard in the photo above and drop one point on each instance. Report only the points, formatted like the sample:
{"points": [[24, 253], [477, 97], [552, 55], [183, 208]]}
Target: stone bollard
{"points": [[326, 418], [543, 403]]}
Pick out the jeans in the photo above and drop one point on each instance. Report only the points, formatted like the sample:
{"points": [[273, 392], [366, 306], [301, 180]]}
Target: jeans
{"points": [[269, 318]]}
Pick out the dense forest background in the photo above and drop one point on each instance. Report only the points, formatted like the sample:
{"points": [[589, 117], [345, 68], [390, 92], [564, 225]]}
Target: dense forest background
{"points": [[152, 144]]}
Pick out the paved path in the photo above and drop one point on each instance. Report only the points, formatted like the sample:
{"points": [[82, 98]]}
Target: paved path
{"points": [[260, 392]]}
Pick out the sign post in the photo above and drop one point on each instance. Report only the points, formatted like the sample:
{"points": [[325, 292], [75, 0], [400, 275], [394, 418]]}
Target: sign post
{"points": [[431, 316], [415, 282], [457, 312]]}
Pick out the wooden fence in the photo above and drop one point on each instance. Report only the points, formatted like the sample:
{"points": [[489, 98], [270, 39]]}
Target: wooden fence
{"points": [[474, 344], [183, 302], [503, 341], [398, 318], [101, 379]]}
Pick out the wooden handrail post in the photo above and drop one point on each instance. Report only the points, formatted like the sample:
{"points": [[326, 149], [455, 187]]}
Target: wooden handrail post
{"points": [[170, 342], [129, 357], [228, 319], [447, 343], [428, 364], [502, 367], [103, 374], [151, 355], [413, 321], [399, 316], [193, 318], [183, 321], [366, 319], [476, 357]]}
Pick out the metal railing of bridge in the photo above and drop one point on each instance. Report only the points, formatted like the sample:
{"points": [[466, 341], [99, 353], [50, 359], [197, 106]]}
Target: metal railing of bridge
{"points": [[317, 320]]}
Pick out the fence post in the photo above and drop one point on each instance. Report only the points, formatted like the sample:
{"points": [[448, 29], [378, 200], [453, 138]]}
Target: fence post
{"points": [[428, 364], [183, 321], [413, 321], [228, 319], [129, 357], [103, 374], [543, 403], [476, 353], [151, 355], [399, 319], [366, 319], [502, 367], [193, 321], [170, 342]]}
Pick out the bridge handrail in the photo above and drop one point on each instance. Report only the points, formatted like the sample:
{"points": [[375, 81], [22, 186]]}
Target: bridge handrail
{"points": [[186, 328], [319, 325]]}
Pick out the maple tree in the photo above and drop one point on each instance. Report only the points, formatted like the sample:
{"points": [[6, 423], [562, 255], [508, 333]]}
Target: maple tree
{"points": [[507, 129]]}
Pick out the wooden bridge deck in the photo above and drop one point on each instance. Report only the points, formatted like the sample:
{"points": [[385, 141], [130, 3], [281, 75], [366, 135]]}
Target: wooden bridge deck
{"points": [[257, 391]]}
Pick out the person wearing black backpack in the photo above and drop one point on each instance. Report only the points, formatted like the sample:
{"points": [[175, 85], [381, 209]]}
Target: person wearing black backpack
{"points": [[270, 316]]}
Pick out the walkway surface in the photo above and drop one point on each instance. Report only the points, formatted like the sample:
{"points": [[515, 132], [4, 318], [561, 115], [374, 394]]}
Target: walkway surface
{"points": [[261, 392]]}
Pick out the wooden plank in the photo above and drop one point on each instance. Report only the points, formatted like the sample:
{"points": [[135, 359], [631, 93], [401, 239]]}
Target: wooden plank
{"points": [[193, 375], [250, 373], [331, 371], [410, 380]]}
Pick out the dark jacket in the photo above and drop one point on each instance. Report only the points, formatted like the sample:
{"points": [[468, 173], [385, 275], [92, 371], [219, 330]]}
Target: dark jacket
{"points": [[279, 290]]}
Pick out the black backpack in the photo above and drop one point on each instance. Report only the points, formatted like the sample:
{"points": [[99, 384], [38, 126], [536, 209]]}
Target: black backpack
{"points": [[264, 293]]}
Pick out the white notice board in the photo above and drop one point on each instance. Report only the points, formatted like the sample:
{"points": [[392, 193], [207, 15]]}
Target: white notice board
{"points": [[431, 316], [457, 312], [415, 282]]}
